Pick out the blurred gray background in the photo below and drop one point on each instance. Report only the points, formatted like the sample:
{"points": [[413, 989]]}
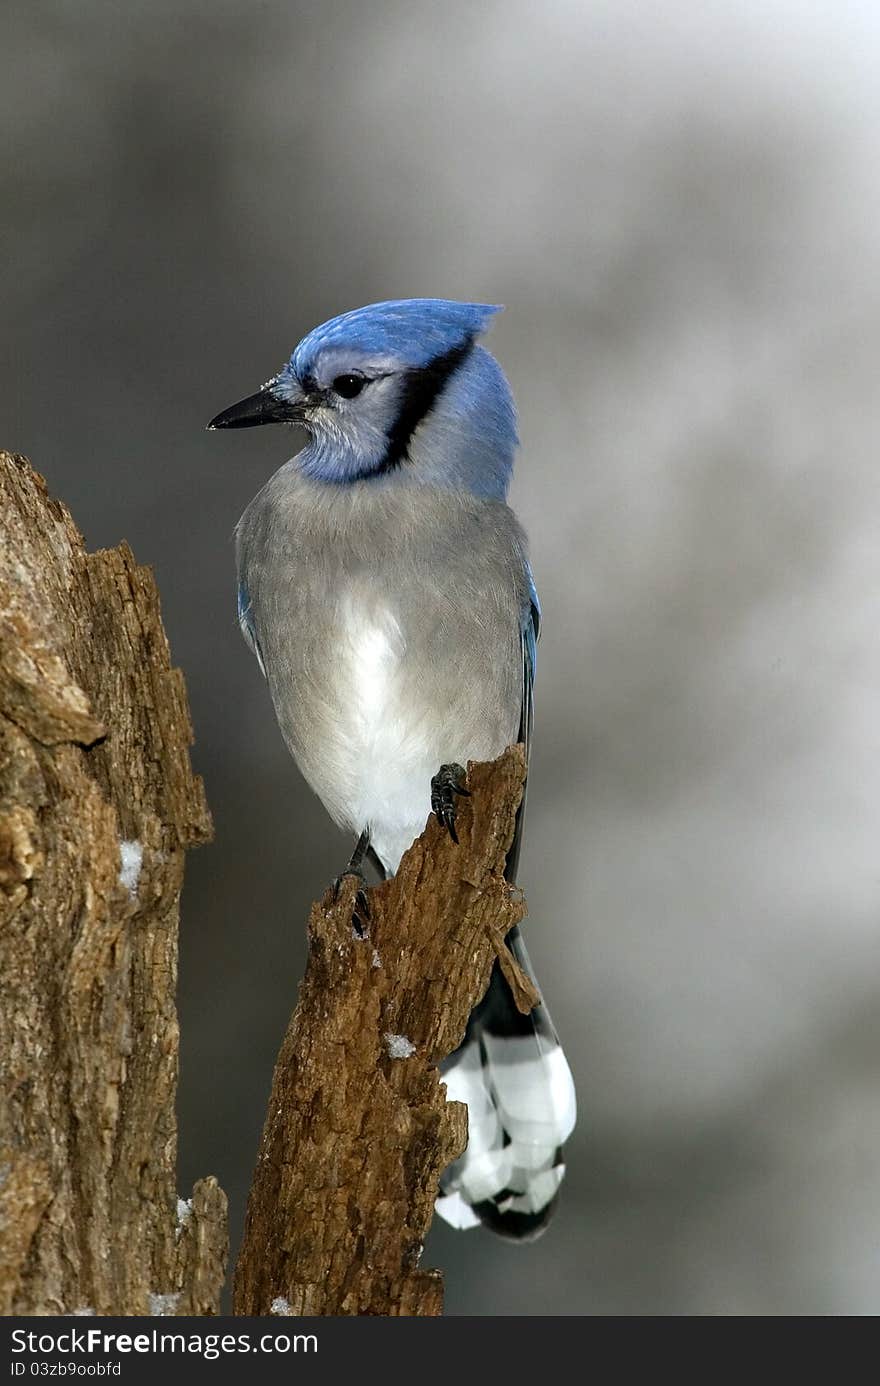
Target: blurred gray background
{"points": [[680, 205]]}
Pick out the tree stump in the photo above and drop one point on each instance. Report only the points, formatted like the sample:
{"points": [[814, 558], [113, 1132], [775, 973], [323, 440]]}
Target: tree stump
{"points": [[358, 1129], [98, 804]]}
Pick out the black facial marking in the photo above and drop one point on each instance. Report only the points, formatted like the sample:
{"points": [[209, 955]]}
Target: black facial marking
{"points": [[420, 390]]}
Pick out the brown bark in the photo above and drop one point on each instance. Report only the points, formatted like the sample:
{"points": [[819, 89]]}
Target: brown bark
{"points": [[98, 804], [355, 1138], [94, 737]]}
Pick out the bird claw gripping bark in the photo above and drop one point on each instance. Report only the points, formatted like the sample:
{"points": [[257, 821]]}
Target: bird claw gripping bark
{"points": [[445, 785], [361, 913]]}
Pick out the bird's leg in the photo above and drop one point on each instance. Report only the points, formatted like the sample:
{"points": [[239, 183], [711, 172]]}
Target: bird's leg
{"points": [[355, 868], [445, 785], [377, 863], [360, 851]]}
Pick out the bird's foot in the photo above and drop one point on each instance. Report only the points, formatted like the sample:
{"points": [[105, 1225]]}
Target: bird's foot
{"points": [[361, 913], [445, 785]]}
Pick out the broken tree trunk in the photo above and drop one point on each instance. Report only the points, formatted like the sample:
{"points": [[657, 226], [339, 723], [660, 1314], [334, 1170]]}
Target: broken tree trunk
{"points": [[358, 1129], [98, 804]]}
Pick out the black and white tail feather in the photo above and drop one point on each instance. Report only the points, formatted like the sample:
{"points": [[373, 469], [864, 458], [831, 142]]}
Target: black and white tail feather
{"points": [[512, 1074]]}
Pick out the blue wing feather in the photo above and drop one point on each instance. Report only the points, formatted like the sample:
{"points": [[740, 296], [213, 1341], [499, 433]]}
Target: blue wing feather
{"points": [[530, 631], [245, 621]]}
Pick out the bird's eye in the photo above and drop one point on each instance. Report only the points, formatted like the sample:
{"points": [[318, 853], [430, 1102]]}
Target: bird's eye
{"points": [[348, 385]]}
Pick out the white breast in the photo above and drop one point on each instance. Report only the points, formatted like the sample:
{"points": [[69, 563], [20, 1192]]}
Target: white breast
{"points": [[386, 747], [376, 647]]}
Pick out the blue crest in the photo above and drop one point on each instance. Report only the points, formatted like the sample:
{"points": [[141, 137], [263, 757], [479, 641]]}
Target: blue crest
{"points": [[411, 331]]}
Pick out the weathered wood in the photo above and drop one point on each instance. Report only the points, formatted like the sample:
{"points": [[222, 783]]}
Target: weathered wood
{"points": [[98, 804], [94, 738], [358, 1129]]}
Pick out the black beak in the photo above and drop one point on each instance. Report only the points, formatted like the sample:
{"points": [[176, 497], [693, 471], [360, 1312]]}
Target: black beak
{"points": [[265, 407]]}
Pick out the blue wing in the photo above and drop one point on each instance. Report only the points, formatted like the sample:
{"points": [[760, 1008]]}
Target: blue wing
{"points": [[246, 622], [530, 631]]}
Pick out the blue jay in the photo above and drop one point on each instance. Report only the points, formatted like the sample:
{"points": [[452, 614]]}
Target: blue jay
{"points": [[384, 588]]}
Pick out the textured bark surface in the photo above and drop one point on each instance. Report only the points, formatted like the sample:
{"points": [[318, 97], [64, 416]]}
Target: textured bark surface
{"points": [[94, 738], [355, 1138]]}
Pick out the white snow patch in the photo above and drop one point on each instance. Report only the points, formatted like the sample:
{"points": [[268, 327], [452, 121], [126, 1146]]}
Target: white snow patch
{"points": [[184, 1213], [377, 961], [399, 1047], [161, 1306], [280, 1305], [131, 857], [81, 1314]]}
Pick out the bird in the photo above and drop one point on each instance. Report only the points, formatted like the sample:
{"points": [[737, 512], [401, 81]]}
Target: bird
{"points": [[385, 588]]}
